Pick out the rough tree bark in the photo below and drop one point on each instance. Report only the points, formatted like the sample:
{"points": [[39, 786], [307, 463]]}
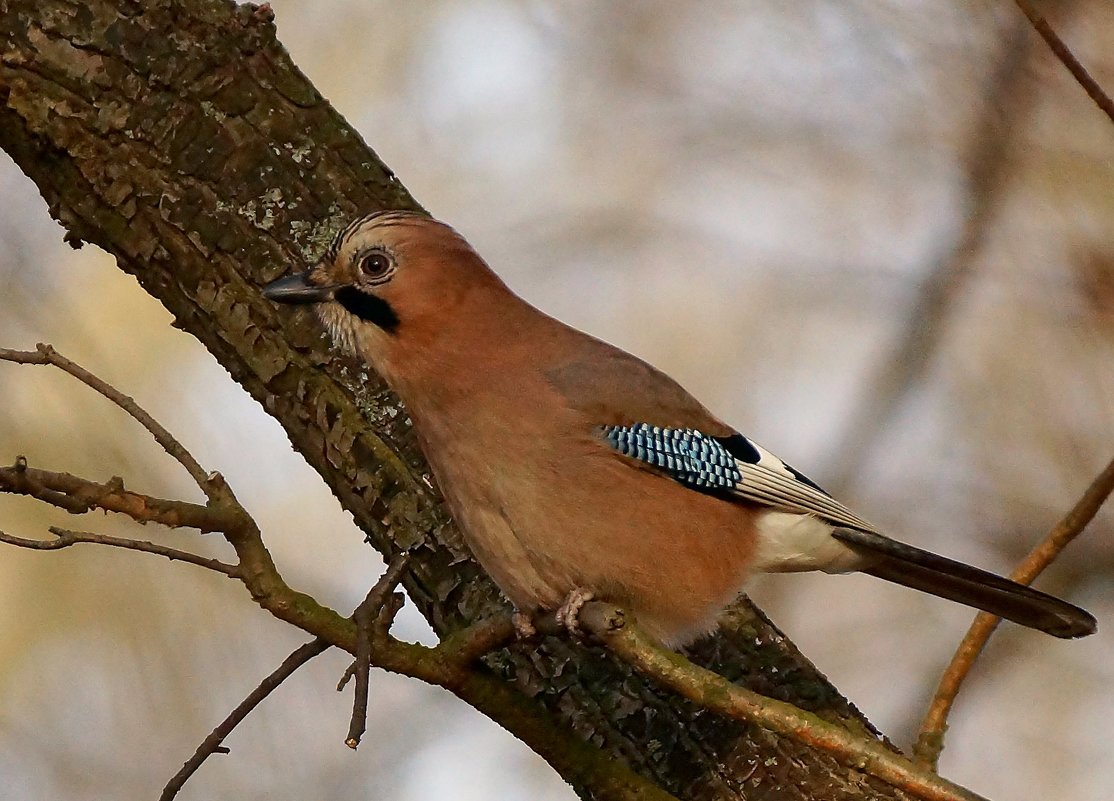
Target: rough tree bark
{"points": [[180, 137]]}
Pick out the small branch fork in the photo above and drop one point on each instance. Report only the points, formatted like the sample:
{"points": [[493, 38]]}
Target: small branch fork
{"points": [[378, 609], [453, 663], [78, 495], [45, 354], [373, 618], [366, 633], [930, 740]]}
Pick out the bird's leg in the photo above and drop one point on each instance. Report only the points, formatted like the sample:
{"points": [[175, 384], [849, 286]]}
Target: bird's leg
{"points": [[568, 615], [523, 625]]}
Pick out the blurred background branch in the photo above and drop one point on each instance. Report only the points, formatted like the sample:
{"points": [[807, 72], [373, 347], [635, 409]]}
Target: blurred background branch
{"points": [[1063, 52], [1003, 104]]}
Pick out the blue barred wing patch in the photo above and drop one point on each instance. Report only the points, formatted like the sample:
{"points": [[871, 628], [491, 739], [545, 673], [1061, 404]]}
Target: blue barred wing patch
{"points": [[734, 465], [687, 455]]}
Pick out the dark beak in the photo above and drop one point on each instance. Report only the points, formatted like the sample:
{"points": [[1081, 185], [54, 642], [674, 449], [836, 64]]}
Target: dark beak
{"points": [[297, 289]]}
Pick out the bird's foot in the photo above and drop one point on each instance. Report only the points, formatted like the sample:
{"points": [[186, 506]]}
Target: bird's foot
{"points": [[523, 623], [568, 615]]}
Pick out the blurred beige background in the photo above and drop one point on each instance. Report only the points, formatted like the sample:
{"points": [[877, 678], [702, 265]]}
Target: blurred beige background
{"points": [[756, 197]]}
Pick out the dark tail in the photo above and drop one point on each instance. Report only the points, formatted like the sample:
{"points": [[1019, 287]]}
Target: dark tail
{"points": [[903, 564]]}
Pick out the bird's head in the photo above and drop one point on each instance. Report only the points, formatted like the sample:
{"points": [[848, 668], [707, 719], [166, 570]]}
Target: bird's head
{"points": [[389, 282]]}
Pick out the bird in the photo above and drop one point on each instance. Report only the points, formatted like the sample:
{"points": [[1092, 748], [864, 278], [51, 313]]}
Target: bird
{"points": [[577, 471]]}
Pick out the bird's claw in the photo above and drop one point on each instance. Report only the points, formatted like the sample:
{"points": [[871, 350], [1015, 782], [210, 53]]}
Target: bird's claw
{"points": [[523, 623], [568, 615]]}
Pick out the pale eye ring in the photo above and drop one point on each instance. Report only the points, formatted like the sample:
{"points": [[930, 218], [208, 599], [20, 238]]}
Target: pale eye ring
{"points": [[376, 265]]}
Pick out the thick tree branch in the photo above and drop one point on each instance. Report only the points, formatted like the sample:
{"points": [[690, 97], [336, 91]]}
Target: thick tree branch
{"points": [[713, 692], [930, 740]]}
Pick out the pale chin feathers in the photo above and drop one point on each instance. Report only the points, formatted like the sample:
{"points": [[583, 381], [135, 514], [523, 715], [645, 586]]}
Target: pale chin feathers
{"points": [[340, 325]]}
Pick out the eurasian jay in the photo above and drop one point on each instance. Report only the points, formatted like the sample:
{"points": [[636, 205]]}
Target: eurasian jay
{"points": [[578, 471]]}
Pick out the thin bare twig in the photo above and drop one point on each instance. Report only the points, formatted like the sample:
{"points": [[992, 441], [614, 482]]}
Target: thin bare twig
{"points": [[712, 691], [930, 740], [79, 495], [373, 618], [45, 354], [212, 744], [357, 725], [1068, 59], [346, 676], [64, 538]]}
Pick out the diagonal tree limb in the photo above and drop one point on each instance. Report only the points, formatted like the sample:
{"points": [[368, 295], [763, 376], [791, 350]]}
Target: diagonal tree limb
{"points": [[1007, 97], [930, 740], [717, 694]]}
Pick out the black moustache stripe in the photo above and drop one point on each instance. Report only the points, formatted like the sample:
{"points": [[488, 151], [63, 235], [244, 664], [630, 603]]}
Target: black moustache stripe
{"points": [[368, 307]]}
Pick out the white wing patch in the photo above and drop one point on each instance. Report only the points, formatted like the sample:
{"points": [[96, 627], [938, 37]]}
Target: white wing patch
{"points": [[773, 482]]}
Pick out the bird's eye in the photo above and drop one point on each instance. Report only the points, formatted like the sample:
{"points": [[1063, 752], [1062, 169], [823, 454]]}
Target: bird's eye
{"points": [[376, 265]]}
